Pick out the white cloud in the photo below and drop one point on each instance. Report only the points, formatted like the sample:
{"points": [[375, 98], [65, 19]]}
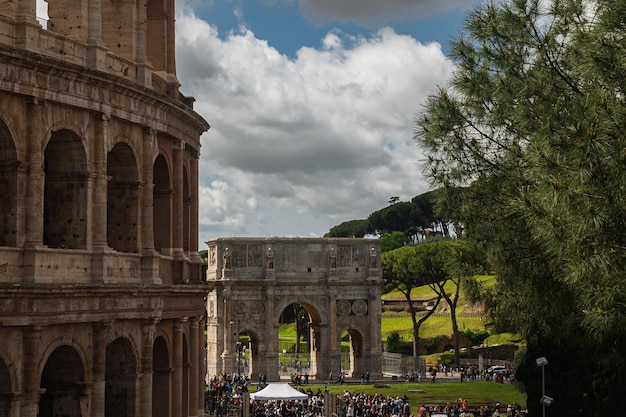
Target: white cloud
{"points": [[298, 145]]}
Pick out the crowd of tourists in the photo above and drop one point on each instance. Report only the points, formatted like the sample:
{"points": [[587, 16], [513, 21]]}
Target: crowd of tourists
{"points": [[225, 393]]}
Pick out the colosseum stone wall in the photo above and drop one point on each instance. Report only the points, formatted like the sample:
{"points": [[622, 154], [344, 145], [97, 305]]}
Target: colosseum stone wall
{"points": [[102, 305]]}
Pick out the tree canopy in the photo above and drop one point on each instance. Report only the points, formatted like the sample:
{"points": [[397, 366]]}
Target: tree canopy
{"points": [[432, 263], [528, 147], [413, 218]]}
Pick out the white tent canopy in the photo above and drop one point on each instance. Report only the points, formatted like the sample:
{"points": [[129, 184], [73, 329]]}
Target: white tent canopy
{"points": [[278, 392]]}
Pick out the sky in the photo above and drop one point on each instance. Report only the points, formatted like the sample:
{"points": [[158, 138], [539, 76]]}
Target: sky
{"points": [[311, 105]]}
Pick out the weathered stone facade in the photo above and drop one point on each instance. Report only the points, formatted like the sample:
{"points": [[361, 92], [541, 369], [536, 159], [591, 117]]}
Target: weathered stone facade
{"points": [[338, 281], [102, 309]]}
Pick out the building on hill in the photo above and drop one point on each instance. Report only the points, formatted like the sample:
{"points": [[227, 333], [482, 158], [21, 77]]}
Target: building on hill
{"points": [[103, 297]]}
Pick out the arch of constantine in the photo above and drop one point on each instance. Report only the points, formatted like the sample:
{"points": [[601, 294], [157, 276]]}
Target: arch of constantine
{"points": [[253, 280]]}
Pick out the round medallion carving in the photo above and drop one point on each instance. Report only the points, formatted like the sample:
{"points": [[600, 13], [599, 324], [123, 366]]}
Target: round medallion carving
{"points": [[239, 309], [256, 308], [359, 307], [343, 308]]}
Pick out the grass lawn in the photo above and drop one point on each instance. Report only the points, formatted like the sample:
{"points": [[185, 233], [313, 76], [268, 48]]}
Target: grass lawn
{"points": [[439, 393]]}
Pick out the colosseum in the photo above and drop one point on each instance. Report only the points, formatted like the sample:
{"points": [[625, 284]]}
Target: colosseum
{"points": [[102, 306]]}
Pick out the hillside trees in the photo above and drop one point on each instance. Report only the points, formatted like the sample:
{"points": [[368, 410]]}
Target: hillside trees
{"points": [[434, 264], [528, 147], [413, 218]]}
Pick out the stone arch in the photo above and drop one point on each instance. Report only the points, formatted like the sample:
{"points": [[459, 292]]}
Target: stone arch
{"points": [[254, 287], [65, 191], [356, 352], [161, 377], [63, 382], [123, 199], [120, 379], [8, 187], [162, 204], [318, 341]]}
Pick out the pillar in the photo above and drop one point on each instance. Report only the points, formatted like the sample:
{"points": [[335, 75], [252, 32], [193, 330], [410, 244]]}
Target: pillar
{"points": [[99, 352], [31, 381], [34, 199], [202, 363], [177, 218], [27, 26], [101, 135], [96, 49], [193, 367], [147, 350], [149, 258], [35, 187], [177, 378], [270, 367], [144, 70]]}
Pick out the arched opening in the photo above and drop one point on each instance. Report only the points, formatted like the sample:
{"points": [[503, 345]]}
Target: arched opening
{"points": [[162, 205], [122, 199], [63, 382], [352, 353], [8, 188], [6, 390], [299, 342], [120, 377], [161, 377], [65, 192]]}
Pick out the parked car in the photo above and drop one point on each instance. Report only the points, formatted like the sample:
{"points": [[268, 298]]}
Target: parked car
{"points": [[496, 369]]}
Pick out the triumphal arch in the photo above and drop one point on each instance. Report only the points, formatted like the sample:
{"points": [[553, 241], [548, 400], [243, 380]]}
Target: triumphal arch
{"points": [[337, 280]]}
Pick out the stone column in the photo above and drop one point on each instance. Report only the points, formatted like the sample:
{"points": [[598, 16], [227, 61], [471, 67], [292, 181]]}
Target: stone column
{"points": [[193, 215], [197, 265], [334, 352], [375, 314], [177, 218], [227, 355], [171, 39], [96, 49], [144, 70], [101, 135], [270, 367], [180, 267], [147, 350], [33, 233], [22, 199], [202, 363], [99, 351], [149, 256], [32, 379], [193, 366], [36, 181], [27, 25], [177, 378]]}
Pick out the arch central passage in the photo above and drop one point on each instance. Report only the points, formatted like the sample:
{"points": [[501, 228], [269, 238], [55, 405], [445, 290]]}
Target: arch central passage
{"points": [[256, 280]]}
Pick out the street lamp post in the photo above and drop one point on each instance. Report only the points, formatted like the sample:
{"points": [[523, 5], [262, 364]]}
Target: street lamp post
{"points": [[545, 400]]}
